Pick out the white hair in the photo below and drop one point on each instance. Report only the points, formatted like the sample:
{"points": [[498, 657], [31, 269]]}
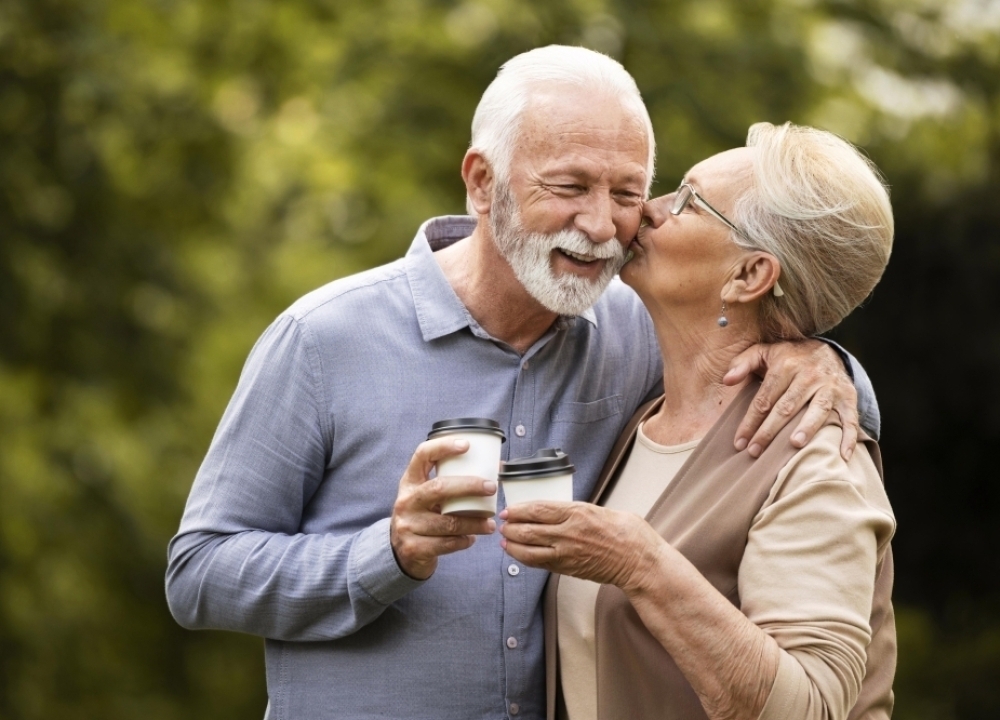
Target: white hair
{"points": [[820, 207], [496, 124]]}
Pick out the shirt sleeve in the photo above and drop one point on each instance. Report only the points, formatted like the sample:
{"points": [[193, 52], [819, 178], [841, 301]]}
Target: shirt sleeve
{"points": [[808, 575], [239, 560], [868, 411]]}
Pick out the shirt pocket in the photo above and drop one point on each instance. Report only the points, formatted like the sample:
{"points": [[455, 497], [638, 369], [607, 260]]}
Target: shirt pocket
{"points": [[587, 412], [586, 431]]}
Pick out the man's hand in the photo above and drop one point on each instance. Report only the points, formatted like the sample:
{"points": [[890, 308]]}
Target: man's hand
{"points": [[419, 533], [795, 373]]}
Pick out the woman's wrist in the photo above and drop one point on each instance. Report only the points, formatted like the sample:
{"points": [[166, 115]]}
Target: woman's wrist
{"points": [[649, 562]]}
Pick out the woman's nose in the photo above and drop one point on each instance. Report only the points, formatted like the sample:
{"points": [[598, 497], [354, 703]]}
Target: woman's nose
{"points": [[655, 211]]}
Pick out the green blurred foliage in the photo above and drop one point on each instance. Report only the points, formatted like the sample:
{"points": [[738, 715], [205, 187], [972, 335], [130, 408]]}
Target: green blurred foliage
{"points": [[173, 173]]}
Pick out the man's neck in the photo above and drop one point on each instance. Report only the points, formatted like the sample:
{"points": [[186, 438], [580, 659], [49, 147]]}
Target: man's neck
{"points": [[487, 286]]}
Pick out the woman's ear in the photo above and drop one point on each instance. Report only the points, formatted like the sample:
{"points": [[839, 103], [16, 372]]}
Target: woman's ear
{"points": [[755, 275], [478, 176]]}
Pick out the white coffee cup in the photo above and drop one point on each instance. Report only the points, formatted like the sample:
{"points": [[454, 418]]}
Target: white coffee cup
{"points": [[482, 459], [546, 475]]}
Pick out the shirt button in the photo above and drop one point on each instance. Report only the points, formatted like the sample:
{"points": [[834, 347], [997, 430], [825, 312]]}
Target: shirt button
{"points": [[514, 709], [512, 642], [520, 431], [524, 366], [513, 570]]}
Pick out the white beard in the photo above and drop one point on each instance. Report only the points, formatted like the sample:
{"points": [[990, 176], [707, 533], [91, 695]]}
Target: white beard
{"points": [[530, 257]]}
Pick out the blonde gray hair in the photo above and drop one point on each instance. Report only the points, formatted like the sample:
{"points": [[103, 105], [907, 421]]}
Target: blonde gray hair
{"points": [[821, 208], [496, 124]]}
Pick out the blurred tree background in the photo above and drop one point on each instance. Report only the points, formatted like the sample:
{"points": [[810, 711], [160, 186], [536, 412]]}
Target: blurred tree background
{"points": [[173, 173]]}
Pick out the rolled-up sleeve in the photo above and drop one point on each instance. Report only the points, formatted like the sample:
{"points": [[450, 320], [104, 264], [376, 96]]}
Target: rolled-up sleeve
{"points": [[239, 561], [808, 575]]}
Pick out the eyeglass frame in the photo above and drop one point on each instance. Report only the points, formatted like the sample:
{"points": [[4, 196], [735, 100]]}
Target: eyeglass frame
{"points": [[704, 204]]}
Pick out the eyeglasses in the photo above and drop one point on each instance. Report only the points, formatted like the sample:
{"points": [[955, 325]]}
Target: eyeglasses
{"points": [[686, 194]]}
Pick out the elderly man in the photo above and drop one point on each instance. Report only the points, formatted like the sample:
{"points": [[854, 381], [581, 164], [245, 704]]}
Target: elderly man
{"points": [[298, 528]]}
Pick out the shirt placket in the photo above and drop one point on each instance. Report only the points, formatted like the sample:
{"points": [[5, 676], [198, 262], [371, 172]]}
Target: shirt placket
{"points": [[517, 596]]}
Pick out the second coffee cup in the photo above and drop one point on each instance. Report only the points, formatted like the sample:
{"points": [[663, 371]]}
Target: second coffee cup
{"points": [[482, 459], [546, 475]]}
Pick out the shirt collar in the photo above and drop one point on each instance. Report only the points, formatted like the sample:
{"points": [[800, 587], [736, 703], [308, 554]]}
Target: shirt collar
{"points": [[439, 310]]}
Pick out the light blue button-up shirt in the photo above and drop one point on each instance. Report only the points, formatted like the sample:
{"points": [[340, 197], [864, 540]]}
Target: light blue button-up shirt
{"points": [[286, 531]]}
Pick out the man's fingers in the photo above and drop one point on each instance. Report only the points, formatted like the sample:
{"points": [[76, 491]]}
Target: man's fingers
{"points": [[815, 418], [751, 360], [755, 427], [441, 489], [848, 442], [850, 421], [428, 454], [432, 524], [782, 411]]}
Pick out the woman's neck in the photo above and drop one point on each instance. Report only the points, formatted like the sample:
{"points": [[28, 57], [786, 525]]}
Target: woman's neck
{"points": [[696, 356]]}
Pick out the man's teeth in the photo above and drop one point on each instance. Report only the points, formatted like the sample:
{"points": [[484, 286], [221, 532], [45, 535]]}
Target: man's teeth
{"points": [[578, 256]]}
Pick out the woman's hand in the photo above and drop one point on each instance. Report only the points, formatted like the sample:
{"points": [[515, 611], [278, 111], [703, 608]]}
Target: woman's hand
{"points": [[580, 539]]}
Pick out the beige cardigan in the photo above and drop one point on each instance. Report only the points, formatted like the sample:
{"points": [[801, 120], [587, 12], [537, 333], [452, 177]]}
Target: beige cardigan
{"points": [[705, 513]]}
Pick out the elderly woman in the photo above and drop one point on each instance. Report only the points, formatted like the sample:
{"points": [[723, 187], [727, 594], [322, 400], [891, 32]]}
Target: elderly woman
{"points": [[709, 583]]}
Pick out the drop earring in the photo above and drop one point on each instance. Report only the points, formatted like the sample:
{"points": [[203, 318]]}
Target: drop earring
{"points": [[723, 320]]}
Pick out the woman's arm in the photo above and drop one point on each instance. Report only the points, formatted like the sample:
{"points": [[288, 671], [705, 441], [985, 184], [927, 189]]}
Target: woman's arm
{"points": [[729, 661], [797, 649]]}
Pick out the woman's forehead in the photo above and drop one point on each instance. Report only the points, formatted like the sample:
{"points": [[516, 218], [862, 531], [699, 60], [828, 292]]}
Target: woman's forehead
{"points": [[729, 167]]}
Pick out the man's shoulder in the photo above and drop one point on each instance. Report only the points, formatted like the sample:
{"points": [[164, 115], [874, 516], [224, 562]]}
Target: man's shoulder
{"points": [[368, 289]]}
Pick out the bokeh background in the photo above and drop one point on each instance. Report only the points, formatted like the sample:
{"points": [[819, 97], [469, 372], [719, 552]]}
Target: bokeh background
{"points": [[173, 173]]}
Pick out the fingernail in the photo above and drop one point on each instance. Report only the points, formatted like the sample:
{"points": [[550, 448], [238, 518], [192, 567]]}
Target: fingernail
{"points": [[850, 453], [503, 514], [491, 525], [460, 444], [799, 438], [490, 486], [503, 543], [754, 450], [741, 443]]}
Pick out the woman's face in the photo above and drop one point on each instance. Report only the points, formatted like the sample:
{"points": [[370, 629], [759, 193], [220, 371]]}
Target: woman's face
{"points": [[686, 259]]}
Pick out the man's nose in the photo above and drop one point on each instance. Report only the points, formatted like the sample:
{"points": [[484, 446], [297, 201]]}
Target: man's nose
{"points": [[597, 221]]}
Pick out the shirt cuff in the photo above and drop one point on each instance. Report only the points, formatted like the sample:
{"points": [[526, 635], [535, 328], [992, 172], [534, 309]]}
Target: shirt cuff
{"points": [[868, 411], [374, 566], [781, 702]]}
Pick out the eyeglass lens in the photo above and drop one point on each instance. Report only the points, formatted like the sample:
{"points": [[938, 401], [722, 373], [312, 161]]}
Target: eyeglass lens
{"points": [[681, 200]]}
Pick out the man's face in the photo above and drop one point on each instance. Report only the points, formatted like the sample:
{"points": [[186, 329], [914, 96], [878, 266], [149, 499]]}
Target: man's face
{"points": [[574, 198]]}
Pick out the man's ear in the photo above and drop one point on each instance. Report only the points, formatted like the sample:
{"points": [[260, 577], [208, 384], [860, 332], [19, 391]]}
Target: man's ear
{"points": [[755, 275], [478, 176]]}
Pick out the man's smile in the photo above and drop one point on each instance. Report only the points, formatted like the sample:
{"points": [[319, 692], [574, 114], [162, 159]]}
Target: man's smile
{"points": [[578, 257]]}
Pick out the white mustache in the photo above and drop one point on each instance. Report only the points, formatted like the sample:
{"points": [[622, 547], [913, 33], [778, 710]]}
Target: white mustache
{"points": [[577, 242]]}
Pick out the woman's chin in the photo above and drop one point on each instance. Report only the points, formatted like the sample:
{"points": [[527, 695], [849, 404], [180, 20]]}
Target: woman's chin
{"points": [[629, 273]]}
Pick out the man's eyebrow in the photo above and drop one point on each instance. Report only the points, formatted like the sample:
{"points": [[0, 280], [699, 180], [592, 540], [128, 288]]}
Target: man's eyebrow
{"points": [[636, 177]]}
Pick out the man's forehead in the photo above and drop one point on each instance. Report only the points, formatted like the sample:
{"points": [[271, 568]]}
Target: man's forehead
{"points": [[561, 108], [572, 121]]}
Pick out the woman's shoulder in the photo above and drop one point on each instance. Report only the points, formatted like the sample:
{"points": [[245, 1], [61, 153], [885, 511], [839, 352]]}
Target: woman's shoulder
{"points": [[819, 468]]}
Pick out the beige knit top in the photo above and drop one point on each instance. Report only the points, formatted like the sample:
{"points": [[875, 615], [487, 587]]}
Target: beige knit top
{"points": [[806, 577]]}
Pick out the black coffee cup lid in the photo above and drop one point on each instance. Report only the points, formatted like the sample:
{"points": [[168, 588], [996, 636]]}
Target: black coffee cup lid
{"points": [[544, 463], [467, 424]]}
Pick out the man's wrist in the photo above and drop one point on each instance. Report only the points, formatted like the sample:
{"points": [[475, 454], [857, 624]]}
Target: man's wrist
{"points": [[845, 357]]}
